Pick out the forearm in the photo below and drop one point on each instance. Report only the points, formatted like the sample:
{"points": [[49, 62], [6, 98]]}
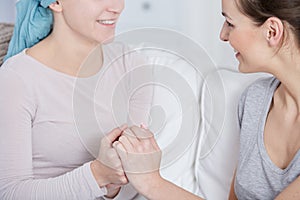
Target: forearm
{"points": [[77, 184], [292, 192], [163, 189]]}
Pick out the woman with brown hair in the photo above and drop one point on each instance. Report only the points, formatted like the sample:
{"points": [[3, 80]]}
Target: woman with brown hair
{"points": [[265, 36]]}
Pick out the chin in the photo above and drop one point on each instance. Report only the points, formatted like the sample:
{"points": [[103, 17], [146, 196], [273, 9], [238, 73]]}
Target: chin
{"points": [[243, 69], [247, 69], [106, 39]]}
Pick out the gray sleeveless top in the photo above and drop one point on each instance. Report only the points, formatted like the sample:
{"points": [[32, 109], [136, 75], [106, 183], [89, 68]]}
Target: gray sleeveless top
{"points": [[257, 177]]}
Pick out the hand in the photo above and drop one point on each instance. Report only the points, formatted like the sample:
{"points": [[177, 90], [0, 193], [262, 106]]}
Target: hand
{"points": [[140, 156], [107, 168]]}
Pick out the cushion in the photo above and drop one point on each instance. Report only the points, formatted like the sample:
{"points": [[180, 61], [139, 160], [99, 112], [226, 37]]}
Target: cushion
{"points": [[176, 97], [218, 146]]}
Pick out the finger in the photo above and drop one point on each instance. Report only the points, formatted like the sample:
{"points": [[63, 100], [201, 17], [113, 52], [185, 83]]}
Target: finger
{"points": [[131, 137], [141, 133], [115, 133], [127, 143], [142, 125], [118, 146], [114, 160], [128, 132], [154, 143], [149, 141]]}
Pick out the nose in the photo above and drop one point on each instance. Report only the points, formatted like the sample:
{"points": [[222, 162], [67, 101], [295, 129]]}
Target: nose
{"points": [[224, 33], [116, 6]]}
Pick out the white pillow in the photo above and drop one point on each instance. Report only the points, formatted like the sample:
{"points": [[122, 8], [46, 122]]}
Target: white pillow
{"points": [[173, 76], [218, 146]]}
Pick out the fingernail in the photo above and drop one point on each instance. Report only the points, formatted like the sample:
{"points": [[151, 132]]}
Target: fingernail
{"points": [[143, 126], [115, 144]]}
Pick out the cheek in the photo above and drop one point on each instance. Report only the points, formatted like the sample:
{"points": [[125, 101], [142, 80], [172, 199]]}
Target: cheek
{"points": [[78, 13], [242, 39], [241, 43]]}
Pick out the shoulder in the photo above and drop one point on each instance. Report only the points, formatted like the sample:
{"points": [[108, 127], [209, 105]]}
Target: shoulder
{"points": [[260, 85], [19, 72], [257, 90], [20, 64], [11, 68], [253, 97]]}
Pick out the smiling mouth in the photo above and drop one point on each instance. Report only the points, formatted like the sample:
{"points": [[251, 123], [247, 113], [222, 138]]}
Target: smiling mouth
{"points": [[107, 22]]}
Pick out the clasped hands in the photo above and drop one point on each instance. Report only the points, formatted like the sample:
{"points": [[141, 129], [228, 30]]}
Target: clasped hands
{"points": [[127, 154]]}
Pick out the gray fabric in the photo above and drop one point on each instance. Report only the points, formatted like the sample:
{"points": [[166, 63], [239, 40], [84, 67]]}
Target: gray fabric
{"points": [[257, 176]]}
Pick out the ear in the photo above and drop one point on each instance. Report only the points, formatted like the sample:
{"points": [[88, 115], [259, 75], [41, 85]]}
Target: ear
{"points": [[274, 30], [56, 6]]}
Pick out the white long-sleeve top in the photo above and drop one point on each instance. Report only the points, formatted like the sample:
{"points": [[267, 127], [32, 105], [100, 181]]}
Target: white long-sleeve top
{"points": [[51, 123]]}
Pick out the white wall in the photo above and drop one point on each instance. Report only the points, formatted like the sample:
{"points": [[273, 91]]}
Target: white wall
{"points": [[7, 11], [151, 13], [199, 19]]}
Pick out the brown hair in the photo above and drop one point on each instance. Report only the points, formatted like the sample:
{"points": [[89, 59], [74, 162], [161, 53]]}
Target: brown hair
{"points": [[288, 11]]}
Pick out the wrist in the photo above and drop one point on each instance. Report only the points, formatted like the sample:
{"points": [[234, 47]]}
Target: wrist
{"points": [[112, 193], [154, 184], [96, 168]]}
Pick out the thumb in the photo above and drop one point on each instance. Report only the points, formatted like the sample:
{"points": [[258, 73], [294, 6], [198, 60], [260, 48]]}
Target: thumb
{"points": [[120, 150], [115, 133], [113, 186]]}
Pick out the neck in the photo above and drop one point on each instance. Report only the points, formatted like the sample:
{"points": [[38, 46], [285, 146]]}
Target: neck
{"points": [[65, 51], [70, 45], [71, 51], [288, 72]]}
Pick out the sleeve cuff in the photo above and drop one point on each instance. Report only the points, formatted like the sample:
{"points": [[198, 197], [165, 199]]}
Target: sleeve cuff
{"points": [[95, 189], [127, 192]]}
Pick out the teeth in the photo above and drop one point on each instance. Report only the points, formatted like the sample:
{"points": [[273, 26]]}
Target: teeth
{"points": [[107, 22]]}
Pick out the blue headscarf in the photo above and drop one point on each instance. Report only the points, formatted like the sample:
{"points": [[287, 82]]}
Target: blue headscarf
{"points": [[34, 22]]}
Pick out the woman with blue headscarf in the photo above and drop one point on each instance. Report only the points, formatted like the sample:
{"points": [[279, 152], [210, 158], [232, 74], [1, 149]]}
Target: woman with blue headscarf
{"points": [[48, 140]]}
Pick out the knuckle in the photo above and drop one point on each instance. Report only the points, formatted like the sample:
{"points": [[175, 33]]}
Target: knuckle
{"points": [[128, 132], [115, 129], [148, 134], [124, 180], [122, 138], [117, 165], [140, 148], [120, 173], [147, 144], [135, 127], [110, 156]]}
